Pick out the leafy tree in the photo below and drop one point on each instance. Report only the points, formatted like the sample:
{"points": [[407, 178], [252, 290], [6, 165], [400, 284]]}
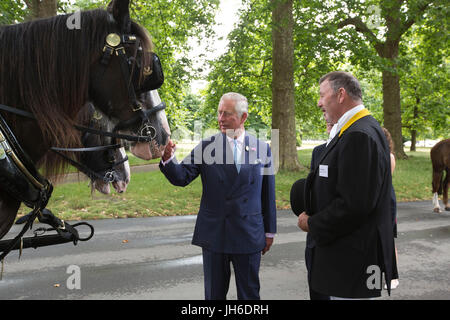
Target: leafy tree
{"points": [[425, 80], [283, 93], [16, 11], [172, 24], [42, 8], [249, 63], [13, 11], [245, 68], [373, 31]]}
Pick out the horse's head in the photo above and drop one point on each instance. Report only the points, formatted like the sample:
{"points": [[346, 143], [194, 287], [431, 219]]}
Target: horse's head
{"points": [[107, 165], [122, 79], [112, 168]]}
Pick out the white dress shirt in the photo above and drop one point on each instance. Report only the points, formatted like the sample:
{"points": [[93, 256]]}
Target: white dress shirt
{"points": [[343, 120], [240, 145]]}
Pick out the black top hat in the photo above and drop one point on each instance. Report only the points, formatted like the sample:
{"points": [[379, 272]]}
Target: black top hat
{"points": [[298, 196]]}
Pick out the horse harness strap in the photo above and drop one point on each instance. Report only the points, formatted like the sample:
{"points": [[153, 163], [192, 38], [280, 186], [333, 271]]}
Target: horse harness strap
{"points": [[109, 175], [146, 134], [19, 174], [114, 44], [19, 178], [40, 181]]}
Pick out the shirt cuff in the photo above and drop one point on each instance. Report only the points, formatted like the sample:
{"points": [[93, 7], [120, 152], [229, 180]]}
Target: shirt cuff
{"points": [[168, 160], [270, 235]]}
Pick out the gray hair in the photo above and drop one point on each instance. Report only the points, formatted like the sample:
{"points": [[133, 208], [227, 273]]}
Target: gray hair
{"points": [[241, 103], [341, 79]]}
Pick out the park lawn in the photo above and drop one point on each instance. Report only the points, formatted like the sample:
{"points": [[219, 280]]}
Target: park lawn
{"points": [[150, 194], [412, 177], [134, 161]]}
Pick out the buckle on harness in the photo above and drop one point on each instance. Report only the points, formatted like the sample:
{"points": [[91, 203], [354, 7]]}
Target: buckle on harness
{"points": [[113, 39]]}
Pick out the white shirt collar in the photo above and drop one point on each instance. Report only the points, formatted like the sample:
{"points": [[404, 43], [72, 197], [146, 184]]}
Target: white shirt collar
{"points": [[239, 140], [343, 120]]}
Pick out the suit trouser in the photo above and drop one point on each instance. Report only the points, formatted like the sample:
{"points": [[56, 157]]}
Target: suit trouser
{"points": [[217, 272]]}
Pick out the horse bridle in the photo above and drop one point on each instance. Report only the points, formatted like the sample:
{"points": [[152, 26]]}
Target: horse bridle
{"points": [[110, 174], [115, 44], [154, 80]]}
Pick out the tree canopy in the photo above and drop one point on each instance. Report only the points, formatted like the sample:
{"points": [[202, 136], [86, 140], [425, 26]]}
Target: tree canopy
{"points": [[397, 49]]}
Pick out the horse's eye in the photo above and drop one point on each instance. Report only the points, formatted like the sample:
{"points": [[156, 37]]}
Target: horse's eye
{"points": [[110, 157]]}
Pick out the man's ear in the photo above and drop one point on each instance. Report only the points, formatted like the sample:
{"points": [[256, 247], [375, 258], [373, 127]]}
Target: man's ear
{"points": [[121, 13], [342, 94], [244, 117]]}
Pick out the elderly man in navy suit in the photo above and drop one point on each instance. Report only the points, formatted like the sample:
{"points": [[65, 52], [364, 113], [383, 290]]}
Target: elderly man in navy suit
{"points": [[236, 221]]}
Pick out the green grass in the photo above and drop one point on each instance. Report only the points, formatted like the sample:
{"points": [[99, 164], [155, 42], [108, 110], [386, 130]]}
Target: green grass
{"points": [[150, 194], [412, 177]]}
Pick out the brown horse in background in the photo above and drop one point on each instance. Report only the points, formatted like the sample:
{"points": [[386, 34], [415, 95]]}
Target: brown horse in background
{"points": [[440, 159]]}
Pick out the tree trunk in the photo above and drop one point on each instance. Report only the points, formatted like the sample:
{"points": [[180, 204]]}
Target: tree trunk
{"points": [[414, 130], [391, 98], [42, 8], [413, 140], [392, 112], [283, 91]]}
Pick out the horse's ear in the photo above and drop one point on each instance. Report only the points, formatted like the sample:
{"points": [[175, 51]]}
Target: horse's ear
{"points": [[121, 13]]}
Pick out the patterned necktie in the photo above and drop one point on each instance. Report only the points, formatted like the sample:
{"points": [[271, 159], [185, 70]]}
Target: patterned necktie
{"points": [[235, 151]]}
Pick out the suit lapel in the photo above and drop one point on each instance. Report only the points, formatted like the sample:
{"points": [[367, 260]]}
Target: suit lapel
{"points": [[311, 176], [360, 115]]}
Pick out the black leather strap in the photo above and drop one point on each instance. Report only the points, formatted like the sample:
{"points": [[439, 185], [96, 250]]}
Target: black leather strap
{"points": [[19, 112], [87, 171], [142, 115], [20, 153], [89, 149]]}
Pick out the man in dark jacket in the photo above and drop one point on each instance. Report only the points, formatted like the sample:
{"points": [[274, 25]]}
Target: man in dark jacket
{"points": [[310, 243], [348, 198]]}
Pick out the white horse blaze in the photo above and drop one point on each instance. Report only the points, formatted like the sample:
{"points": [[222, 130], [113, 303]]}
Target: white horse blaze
{"points": [[436, 202], [126, 165], [145, 150]]}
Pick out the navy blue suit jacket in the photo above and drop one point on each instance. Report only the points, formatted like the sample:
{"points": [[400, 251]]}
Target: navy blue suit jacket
{"points": [[236, 209]]}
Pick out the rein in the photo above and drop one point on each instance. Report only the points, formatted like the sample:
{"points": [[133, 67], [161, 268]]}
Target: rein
{"points": [[148, 134], [122, 125], [108, 177]]}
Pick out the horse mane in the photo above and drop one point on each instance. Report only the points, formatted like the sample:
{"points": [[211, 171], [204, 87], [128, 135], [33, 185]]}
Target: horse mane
{"points": [[45, 68]]}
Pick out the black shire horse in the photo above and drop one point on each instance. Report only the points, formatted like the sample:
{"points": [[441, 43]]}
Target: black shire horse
{"points": [[106, 166], [51, 71], [101, 159]]}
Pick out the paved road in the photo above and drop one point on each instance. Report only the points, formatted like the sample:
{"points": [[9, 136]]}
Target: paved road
{"points": [[152, 258]]}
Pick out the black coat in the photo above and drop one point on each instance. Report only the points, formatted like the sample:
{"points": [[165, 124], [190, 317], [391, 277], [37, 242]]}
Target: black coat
{"points": [[348, 200]]}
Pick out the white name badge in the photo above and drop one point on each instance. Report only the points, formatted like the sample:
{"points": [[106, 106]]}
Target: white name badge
{"points": [[323, 171]]}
